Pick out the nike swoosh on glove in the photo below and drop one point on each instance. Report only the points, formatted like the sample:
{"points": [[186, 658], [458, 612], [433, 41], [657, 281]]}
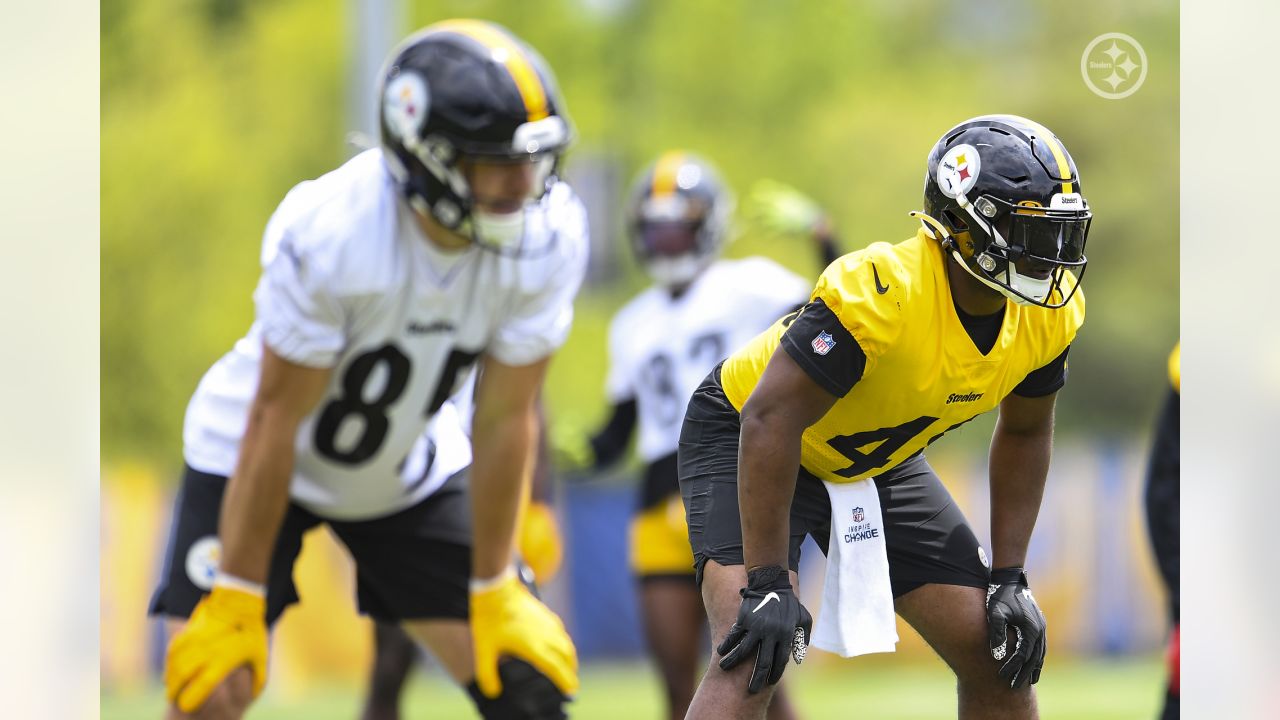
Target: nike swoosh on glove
{"points": [[771, 623], [1010, 605]]}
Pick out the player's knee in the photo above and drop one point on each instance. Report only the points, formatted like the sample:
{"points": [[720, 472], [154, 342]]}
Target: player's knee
{"points": [[526, 695], [977, 673], [229, 701], [981, 685]]}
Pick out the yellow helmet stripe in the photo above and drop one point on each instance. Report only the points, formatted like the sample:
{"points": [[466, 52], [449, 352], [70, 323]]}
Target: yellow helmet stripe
{"points": [[507, 52], [664, 173], [1059, 155]]}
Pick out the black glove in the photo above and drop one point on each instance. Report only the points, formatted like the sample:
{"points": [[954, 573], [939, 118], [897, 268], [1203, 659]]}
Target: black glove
{"points": [[771, 623], [1010, 604]]}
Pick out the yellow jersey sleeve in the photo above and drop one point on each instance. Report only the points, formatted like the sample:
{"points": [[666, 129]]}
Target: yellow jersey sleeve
{"points": [[863, 290], [836, 337]]}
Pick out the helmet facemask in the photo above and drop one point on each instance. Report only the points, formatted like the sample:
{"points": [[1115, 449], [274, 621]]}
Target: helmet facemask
{"points": [[502, 228], [677, 218], [459, 207], [669, 249], [675, 238], [1031, 254]]}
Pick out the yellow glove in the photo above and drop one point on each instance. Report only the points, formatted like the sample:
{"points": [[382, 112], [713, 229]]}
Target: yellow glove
{"points": [[228, 629], [570, 447], [540, 543], [777, 208], [506, 619]]}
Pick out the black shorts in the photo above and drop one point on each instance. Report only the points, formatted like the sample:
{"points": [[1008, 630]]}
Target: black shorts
{"points": [[413, 564], [928, 538]]}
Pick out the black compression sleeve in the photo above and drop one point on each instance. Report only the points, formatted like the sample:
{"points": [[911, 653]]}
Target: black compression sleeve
{"points": [[824, 349]]}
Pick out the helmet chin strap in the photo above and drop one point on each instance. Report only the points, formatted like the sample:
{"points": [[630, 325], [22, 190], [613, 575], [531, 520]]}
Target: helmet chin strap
{"points": [[939, 232]]}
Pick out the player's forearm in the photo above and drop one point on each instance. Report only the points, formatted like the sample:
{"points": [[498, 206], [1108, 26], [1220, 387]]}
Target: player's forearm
{"points": [[768, 459], [1019, 468], [499, 479], [256, 498], [610, 443], [824, 239]]}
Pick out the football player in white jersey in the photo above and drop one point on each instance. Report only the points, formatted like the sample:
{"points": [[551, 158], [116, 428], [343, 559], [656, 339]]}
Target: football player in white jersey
{"points": [[383, 282], [661, 344], [539, 551]]}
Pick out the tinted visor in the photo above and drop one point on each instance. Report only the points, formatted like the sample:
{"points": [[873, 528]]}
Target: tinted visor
{"points": [[1048, 235], [667, 238], [1057, 240]]}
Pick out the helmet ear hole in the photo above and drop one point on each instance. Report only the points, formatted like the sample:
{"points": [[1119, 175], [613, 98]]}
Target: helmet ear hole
{"points": [[1003, 225], [957, 224]]}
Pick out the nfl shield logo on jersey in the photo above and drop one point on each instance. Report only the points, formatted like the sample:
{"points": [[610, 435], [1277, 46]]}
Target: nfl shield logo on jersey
{"points": [[858, 515], [823, 343]]}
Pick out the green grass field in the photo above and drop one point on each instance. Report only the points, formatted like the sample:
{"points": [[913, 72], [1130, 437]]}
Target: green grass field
{"points": [[1069, 690]]}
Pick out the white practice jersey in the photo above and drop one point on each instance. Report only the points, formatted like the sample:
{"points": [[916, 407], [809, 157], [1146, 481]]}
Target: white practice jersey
{"points": [[661, 349], [351, 282]]}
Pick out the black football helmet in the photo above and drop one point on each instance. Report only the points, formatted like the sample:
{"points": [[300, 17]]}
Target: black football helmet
{"points": [[467, 88], [677, 217], [1000, 190]]}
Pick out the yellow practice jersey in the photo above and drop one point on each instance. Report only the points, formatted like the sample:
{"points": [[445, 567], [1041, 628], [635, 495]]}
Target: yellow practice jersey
{"points": [[1175, 368], [920, 373]]}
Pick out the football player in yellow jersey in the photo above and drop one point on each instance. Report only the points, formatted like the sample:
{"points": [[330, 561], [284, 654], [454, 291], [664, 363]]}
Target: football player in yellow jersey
{"points": [[898, 344]]}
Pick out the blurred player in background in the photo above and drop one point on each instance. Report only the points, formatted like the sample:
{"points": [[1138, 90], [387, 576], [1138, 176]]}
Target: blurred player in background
{"points": [[661, 344], [818, 427], [384, 281], [1163, 504]]}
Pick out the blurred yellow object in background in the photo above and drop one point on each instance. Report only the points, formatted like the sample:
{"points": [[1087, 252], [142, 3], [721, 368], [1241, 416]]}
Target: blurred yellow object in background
{"points": [[540, 542], [134, 510], [322, 638]]}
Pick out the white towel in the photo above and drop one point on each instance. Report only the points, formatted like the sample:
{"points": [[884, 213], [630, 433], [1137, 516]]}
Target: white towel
{"points": [[857, 615]]}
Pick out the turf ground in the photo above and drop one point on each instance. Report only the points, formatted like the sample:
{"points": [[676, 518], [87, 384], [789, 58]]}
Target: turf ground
{"points": [[1069, 690]]}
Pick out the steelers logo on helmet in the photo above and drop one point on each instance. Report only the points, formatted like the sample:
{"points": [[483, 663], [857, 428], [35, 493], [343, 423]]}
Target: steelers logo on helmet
{"points": [[958, 170], [406, 104]]}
